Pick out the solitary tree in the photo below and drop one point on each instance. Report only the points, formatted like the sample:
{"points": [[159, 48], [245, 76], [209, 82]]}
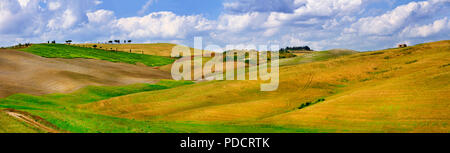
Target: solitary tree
{"points": [[129, 41], [68, 41], [95, 46]]}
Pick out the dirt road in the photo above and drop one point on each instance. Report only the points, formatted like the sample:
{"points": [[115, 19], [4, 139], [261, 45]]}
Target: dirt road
{"points": [[30, 121]]}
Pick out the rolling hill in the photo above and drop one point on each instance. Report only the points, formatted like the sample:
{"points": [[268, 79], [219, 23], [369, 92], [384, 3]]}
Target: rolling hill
{"points": [[23, 72], [373, 91], [157, 49], [71, 52], [392, 90]]}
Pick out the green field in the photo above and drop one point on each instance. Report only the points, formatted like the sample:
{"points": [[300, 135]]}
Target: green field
{"points": [[61, 110], [392, 90], [68, 51]]}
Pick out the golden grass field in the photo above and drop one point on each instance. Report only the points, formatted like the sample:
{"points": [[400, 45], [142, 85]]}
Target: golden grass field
{"points": [[392, 90], [158, 49]]}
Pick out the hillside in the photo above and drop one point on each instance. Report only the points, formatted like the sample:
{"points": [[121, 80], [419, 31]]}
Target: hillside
{"points": [[373, 91], [22, 72], [316, 56], [9, 124], [61, 110], [70, 52], [157, 49], [392, 90]]}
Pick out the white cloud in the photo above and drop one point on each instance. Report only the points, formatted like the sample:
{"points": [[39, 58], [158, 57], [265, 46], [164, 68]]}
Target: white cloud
{"points": [[65, 21], [101, 16], [98, 2], [23, 3], [438, 26], [394, 20], [326, 7], [161, 24], [240, 22], [54, 5]]}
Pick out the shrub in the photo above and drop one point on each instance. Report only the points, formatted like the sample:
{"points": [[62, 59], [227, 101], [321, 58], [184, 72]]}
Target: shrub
{"points": [[311, 103], [410, 62], [377, 53]]}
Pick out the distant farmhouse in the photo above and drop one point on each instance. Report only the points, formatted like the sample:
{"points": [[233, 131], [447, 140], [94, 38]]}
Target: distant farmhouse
{"points": [[402, 45]]}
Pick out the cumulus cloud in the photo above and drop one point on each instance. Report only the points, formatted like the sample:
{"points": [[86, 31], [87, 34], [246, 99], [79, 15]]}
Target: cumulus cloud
{"points": [[38, 20], [265, 20], [294, 11], [162, 24], [54, 5], [240, 22], [101, 16], [64, 21], [396, 19], [16, 15], [441, 26]]}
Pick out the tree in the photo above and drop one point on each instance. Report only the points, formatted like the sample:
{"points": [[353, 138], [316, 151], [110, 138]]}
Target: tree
{"points": [[297, 48], [110, 41], [95, 46], [68, 41], [129, 41]]}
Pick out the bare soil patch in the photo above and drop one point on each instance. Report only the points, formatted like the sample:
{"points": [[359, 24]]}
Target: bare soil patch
{"points": [[22, 72]]}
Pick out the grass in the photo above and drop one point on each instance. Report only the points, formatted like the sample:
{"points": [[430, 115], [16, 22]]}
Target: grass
{"points": [[9, 124], [61, 110], [364, 92], [157, 49], [85, 95], [315, 56], [393, 96], [68, 51]]}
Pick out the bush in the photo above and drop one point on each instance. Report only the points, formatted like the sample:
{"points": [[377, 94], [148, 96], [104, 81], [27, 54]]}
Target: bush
{"points": [[410, 62], [311, 103]]}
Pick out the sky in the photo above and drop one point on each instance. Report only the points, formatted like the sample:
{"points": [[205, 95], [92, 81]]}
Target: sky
{"points": [[321, 24]]}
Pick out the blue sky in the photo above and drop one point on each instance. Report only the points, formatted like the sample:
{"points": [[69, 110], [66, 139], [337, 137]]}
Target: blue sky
{"points": [[210, 9], [320, 24]]}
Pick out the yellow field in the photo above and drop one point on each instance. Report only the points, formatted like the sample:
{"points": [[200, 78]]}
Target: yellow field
{"points": [[158, 49], [393, 90]]}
